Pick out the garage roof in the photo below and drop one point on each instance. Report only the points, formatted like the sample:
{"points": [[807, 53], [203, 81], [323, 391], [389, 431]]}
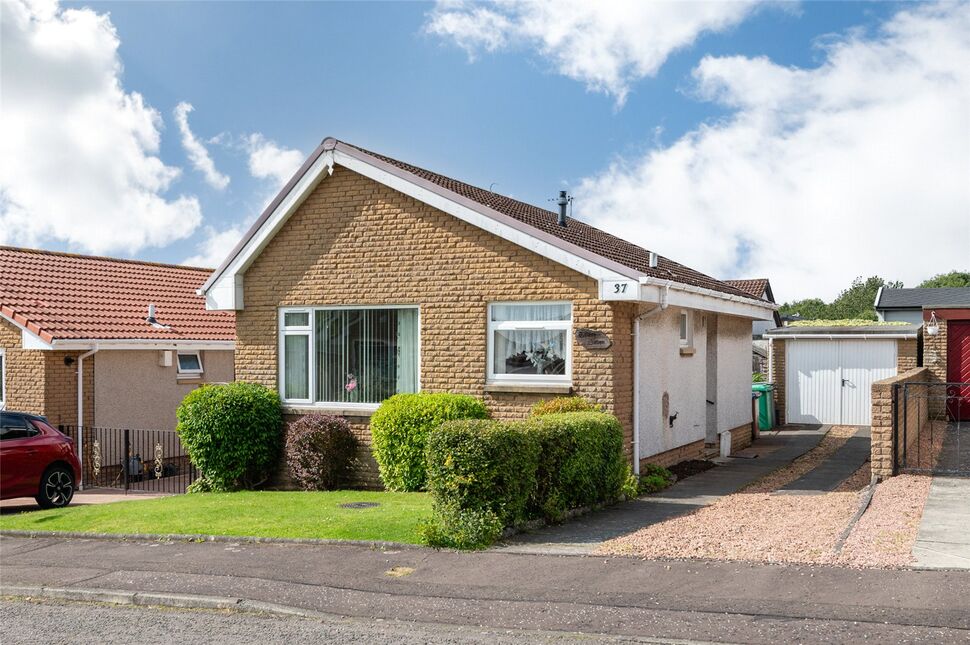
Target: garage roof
{"points": [[822, 331]]}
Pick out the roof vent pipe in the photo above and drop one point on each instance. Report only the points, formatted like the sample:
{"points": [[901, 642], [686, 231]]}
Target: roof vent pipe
{"points": [[564, 200], [151, 320], [653, 260]]}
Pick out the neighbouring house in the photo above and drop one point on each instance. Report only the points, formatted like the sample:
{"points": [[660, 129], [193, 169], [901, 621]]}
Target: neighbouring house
{"points": [[78, 344], [759, 288], [908, 305], [367, 276]]}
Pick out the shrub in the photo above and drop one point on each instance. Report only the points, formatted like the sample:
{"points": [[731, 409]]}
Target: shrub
{"points": [[320, 451], [487, 475], [480, 465], [231, 433], [758, 377], [581, 462], [654, 478], [400, 428], [564, 404]]}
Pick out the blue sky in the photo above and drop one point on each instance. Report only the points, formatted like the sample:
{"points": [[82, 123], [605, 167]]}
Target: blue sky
{"points": [[374, 75]]}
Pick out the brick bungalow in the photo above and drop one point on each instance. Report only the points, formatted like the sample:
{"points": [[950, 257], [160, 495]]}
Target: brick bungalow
{"points": [[368, 276], [76, 344]]}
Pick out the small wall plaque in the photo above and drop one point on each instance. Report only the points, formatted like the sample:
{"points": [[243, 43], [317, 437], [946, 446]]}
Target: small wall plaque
{"points": [[592, 339]]}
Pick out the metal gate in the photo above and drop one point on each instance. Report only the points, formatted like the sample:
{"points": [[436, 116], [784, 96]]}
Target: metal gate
{"points": [[930, 435], [152, 461]]}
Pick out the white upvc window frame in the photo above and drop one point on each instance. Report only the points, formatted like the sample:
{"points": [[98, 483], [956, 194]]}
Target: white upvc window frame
{"points": [[3, 378], [531, 325], [307, 331], [685, 328], [188, 373]]}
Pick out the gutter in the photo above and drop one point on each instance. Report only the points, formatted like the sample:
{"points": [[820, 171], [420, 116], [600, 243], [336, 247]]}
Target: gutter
{"points": [[843, 336], [703, 291]]}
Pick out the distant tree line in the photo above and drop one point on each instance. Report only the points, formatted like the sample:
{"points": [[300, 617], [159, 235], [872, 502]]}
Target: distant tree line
{"points": [[859, 299]]}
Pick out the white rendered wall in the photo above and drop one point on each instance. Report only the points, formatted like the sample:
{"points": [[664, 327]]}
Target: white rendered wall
{"points": [[733, 372], [684, 378]]}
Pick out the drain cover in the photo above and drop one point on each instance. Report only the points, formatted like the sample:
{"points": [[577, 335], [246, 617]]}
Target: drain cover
{"points": [[359, 505]]}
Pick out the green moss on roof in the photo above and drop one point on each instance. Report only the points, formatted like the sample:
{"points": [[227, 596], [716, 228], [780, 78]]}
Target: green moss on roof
{"points": [[846, 322]]}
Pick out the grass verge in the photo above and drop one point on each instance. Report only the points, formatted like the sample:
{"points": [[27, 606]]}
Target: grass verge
{"points": [[250, 513]]}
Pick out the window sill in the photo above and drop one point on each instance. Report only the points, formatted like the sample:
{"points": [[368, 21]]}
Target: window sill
{"points": [[530, 388], [687, 351], [333, 410]]}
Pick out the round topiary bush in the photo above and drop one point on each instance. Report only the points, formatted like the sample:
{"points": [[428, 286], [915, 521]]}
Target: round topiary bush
{"points": [[320, 451], [400, 429], [564, 404], [232, 433]]}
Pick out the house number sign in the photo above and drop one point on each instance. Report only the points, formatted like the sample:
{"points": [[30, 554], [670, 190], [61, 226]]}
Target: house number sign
{"points": [[592, 339]]}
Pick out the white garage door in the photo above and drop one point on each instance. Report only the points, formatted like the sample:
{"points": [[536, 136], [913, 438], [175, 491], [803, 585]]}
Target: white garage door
{"points": [[830, 381]]}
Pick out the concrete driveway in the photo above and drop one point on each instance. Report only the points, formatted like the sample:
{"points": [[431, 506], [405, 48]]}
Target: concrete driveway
{"points": [[943, 541]]}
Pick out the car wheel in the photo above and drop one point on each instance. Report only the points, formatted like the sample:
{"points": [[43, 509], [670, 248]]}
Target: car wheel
{"points": [[56, 488]]}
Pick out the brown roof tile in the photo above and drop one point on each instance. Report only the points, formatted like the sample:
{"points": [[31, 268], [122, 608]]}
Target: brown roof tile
{"points": [[67, 296]]}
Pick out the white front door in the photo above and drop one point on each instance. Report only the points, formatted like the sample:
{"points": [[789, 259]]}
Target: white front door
{"points": [[830, 381]]}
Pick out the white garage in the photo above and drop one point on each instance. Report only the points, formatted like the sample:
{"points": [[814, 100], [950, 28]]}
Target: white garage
{"points": [[829, 372]]}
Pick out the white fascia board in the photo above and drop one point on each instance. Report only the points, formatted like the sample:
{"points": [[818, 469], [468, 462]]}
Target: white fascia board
{"points": [[145, 344], [28, 339], [482, 221], [908, 336], [690, 297], [226, 291]]}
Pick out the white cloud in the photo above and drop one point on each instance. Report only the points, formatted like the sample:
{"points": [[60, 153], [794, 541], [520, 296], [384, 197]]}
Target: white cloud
{"points": [[857, 167], [267, 160], [215, 246], [606, 45], [78, 154], [197, 152]]}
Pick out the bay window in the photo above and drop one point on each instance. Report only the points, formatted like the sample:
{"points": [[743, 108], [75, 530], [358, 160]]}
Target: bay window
{"points": [[347, 356], [530, 342]]}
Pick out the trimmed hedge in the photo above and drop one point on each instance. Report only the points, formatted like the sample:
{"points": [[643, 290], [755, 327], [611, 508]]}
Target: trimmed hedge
{"points": [[565, 404], [581, 461], [232, 433], [400, 429], [320, 451], [487, 475]]}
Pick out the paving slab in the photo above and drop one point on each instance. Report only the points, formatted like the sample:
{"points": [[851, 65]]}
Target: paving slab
{"points": [[943, 541], [827, 476], [584, 534]]}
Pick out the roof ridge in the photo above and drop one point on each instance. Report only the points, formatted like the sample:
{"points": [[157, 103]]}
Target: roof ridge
{"points": [[107, 258]]}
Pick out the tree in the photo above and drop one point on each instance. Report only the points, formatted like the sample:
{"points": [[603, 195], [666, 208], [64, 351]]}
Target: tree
{"points": [[810, 309], [858, 301], [951, 279]]}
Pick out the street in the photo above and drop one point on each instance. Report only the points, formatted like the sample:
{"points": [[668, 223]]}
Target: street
{"points": [[452, 596]]}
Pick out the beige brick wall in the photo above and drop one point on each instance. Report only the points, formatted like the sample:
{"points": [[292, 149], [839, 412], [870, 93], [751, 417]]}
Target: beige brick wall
{"points": [[906, 355], [24, 384], [669, 458], [60, 392], [355, 241], [882, 418], [778, 376], [741, 437]]}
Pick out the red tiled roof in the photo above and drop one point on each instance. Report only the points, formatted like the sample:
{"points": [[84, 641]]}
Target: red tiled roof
{"points": [[66, 296], [755, 286], [575, 232]]}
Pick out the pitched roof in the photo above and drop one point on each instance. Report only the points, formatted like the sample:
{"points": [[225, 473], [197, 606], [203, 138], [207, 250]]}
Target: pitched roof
{"points": [[66, 296], [575, 232], [754, 286], [918, 298]]}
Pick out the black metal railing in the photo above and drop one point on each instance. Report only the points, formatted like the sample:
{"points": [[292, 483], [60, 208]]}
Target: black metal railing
{"points": [[131, 460], [931, 428]]}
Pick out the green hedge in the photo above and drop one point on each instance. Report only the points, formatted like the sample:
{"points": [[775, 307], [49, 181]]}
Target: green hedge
{"points": [[565, 404], [232, 433], [400, 428], [484, 476]]}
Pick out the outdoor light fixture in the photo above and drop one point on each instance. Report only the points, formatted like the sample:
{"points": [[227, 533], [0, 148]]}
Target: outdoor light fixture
{"points": [[933, 326]]}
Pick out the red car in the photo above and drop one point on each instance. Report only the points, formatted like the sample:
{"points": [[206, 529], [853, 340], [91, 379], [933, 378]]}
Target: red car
{"points": [[36, 460]]}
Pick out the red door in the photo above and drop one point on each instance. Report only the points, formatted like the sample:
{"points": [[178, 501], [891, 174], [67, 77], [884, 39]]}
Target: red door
{"points": [[958, 369]]}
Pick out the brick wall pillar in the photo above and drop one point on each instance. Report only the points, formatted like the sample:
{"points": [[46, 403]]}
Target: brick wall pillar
{"points": [[778, 377]]}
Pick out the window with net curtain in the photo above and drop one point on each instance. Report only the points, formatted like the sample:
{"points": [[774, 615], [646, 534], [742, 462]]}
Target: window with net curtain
{"points": [[530, 341], [349, 356]]}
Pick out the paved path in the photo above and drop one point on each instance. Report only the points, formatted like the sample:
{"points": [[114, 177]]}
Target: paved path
{"points": [[102, 496], [711, 601], [833, 471], [582, 535], [943, 540]]}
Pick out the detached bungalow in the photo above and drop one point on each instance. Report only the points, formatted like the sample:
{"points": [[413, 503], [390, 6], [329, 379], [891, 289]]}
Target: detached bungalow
{"points": [[367, 276], [103, 342]]}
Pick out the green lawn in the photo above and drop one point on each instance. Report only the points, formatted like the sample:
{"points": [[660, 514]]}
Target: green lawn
{"points": [[261, 513]]}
